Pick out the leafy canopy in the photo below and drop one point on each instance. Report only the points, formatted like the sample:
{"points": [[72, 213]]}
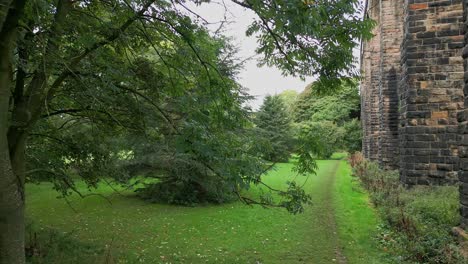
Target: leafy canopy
{"points": [[90, 87], [91, 77], [309, 38], [331, 119]]}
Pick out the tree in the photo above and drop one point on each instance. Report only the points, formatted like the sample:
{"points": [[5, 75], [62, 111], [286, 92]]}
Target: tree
{"points": [[340, 105], [180, 131], [81, 67], [331, 117], [328, 135], [309, 38], [289, 98], [275, 127]]}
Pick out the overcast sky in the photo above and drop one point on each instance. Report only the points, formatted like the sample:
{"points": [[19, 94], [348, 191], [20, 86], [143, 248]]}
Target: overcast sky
{"points": [[260, 81]]}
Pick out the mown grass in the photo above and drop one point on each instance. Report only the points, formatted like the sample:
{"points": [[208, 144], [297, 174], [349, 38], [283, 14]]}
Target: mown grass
{"points": [[358, 220], [136, 231]]}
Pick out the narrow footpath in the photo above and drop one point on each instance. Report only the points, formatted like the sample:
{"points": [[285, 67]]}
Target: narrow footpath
{"points": [[323, 211], [344, 223], [329, 212]]}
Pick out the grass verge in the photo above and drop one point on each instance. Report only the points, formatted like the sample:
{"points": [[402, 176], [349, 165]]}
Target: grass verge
{"points": [[357, 220], [417, 221]]}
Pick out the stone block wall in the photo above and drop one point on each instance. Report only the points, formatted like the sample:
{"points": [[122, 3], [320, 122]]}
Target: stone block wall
{"points": [[391, 34], [430, 92], [411, 90], [419, 105], [370, 91], [463, 130], [365, 84]]}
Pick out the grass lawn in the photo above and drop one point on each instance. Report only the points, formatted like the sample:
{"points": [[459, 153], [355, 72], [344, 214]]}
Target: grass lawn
{"points": [[137, 231], [357, 220]]}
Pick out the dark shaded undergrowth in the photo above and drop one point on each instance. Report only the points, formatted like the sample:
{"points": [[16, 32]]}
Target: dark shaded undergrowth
{"points": [[53, 246]]}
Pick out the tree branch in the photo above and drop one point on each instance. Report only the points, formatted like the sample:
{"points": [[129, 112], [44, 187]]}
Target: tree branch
{"points": [[74, 61], [63, 111], [63, 177]]}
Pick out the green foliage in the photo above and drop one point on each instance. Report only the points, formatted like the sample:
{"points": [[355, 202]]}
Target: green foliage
{"points": [[83, 81], [189, 193], [327, 135], [289, 98], [168, 99], [187, 179], [352, 138], [306, 38], [330, 118], [274, 126], [418, 221], [190, 132], [110, 88], [339, 106]]}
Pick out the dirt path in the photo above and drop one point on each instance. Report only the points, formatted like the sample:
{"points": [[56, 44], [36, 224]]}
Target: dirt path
{"points": [[329, 212]]}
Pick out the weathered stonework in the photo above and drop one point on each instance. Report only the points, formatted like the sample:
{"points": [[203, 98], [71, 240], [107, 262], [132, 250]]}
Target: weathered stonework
{"points": [[415, 120], [371, 67], [391, 34], [431, 93], [463, 131], [418, 72]]}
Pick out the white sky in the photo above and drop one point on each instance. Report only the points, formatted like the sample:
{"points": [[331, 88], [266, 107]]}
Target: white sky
{"points": [[260, 81]]}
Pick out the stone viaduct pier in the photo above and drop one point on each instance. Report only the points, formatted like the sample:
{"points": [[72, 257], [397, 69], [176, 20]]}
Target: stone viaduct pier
{"points": [[414, 91]]}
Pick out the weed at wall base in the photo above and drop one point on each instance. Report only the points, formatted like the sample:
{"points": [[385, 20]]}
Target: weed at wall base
{"points": [[417, 220]]}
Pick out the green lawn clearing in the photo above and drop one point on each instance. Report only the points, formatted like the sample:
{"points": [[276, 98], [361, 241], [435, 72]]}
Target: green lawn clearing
{"points": [[337, 228], [357, 220]]}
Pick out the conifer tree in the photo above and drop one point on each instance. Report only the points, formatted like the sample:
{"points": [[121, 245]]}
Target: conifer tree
{"points": [[274, 124]]}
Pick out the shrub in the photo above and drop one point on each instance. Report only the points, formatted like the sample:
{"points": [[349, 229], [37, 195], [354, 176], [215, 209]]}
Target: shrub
{"points": [[181, 179], [352, 138], [188, 193], [417, 221]]}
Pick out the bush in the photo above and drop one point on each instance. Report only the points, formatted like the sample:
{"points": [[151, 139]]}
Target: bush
{"points": [[417, 221], [188, 193], [181, 179], [185, 182], [352, 138]]}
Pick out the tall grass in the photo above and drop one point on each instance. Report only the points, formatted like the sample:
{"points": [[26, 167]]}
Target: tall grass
{"points": [[418, 221]]}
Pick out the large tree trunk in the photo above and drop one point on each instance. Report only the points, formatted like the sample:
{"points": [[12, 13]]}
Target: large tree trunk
{"points": [[4, 6], [11, 184], [11, 209], [11, 189], [25, 107]]}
